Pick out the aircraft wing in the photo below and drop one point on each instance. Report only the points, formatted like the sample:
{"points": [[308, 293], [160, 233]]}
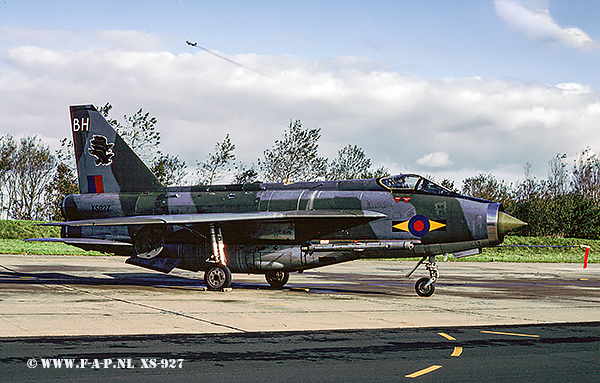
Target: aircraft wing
{"points": [[183, 219]]}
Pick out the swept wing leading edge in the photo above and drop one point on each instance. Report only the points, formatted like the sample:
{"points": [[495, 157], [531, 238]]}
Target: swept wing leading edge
{"points": [[183, 219]]}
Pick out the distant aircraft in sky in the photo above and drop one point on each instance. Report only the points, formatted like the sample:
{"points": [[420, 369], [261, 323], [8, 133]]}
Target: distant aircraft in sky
{"points": [[263, 228]]}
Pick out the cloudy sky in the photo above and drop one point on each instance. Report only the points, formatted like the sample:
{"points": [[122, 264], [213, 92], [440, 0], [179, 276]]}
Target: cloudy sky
{"points": [[444, 88]]}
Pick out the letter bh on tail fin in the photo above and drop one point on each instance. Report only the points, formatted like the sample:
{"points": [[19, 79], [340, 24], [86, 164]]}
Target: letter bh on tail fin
{"points": [[105, 163]]}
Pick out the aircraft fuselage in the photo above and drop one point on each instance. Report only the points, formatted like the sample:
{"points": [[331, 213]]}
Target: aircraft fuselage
{"points": [[445, 223]]}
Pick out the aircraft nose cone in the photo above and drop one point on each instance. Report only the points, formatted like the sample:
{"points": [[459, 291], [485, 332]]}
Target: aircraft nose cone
{"points": [[507, 223]]}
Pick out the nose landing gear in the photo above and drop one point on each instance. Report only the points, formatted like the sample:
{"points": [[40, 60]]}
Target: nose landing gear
{"points": [[425, 286]]}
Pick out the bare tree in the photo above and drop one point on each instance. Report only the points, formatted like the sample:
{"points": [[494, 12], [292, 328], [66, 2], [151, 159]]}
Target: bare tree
{"points": [[586, 175], [558, 176], [32, 169], [7, 154]]}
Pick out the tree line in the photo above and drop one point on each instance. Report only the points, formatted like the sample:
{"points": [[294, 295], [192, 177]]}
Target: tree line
{"points": [[34, 181], [565, 205]]}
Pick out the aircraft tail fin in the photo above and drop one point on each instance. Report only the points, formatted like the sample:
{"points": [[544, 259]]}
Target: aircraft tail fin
{"points": [[105, 163]]}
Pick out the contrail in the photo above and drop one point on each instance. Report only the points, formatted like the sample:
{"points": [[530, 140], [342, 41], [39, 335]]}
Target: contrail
{"points": [[226, 59]]}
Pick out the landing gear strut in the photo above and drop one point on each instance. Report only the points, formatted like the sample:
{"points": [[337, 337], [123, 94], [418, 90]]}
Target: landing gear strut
{"points": [[425, 286], [218, 275]]}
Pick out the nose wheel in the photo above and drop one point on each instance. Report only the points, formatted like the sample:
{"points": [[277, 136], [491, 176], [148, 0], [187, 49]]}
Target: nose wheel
{"points": [[425, 286]]}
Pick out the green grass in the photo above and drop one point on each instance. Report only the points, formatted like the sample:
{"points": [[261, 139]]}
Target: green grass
{"points": [[26, 229], [12, 234], [18, 246], [533, 254], [538, 254]]}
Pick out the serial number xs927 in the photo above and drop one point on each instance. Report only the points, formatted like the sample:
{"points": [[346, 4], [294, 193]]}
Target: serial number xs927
{"points": [[161, 363], [100, 207]]}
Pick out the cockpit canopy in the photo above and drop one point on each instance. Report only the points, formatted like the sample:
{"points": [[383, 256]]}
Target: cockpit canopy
{"points": [[409, 183]]}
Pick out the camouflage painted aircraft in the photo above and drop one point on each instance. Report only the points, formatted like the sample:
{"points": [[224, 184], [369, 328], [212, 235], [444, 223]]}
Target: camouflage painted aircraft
{"points": [[263, 228]]}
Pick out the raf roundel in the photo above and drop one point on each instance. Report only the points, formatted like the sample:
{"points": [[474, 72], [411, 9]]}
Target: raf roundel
{"points": [[419, 226]]}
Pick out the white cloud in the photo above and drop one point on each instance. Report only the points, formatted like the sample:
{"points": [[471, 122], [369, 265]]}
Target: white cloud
{"points": [[435, 160], [539, 26], [575, 88], [482, 124], [132, 40]]}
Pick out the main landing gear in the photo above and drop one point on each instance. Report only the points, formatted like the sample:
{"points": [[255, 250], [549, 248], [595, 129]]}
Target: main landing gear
{"points": [[425, 286], [218, 275], [277, 279]]}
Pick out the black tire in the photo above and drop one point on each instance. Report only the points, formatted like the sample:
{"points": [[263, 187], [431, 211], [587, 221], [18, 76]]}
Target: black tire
{"points": [[217, 277], [423, 291], [277, 279]]}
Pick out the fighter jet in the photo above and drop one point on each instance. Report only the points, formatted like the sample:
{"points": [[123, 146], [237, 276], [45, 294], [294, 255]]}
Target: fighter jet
{"points": [[263, 228]]}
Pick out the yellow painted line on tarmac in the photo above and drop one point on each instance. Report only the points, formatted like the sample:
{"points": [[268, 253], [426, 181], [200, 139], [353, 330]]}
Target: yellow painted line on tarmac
{"points": [[299, 289], [446, 336], [510, 333], [457, 351], [423, 371]]}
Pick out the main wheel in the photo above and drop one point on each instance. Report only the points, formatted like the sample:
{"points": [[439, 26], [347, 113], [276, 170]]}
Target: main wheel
{"points": [[217, 277], [423, 291], [277, 279]]}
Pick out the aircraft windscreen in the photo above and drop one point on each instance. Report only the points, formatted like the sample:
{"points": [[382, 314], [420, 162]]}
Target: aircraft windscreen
{"points": [[401, 182], [412, 182], [433, 188]]}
